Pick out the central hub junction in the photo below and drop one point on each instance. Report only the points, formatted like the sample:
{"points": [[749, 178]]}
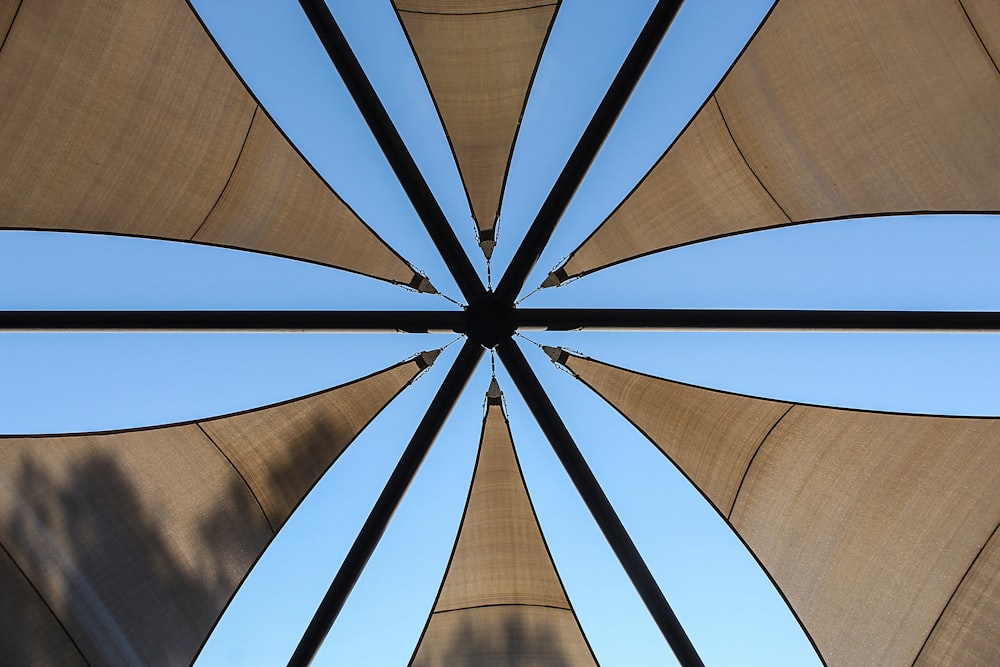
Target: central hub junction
{"points": [[490, 321]]}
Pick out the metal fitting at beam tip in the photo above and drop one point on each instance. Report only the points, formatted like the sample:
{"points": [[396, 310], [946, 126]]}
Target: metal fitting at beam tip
{"points": [[557, 354], [426, 359], [494, 392], [425, 286]]}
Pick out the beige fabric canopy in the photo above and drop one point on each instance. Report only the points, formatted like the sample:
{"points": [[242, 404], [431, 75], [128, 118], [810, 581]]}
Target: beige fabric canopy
{"points": [[124, 118], [479, 59], [501, 601], [123, 548], [880, 529], [835, 109]]}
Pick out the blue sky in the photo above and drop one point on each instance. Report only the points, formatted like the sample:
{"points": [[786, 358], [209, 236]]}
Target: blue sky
{"points": [[727, 605]]}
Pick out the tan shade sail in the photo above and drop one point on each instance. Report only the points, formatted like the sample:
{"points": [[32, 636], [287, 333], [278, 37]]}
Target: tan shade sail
{"points": [[835, 109], [880, 529], [479, 59], [501, 602], [124, 118], [125, 547]]}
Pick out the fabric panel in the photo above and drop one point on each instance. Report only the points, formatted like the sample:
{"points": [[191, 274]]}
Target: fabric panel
{"points": [[710, 435], [701, 188], [31, 635], [117, 117], [868, 522], [968, 634], [841, 109], [503, 636], [867, 107], [136, 540], [276, 203], [123, 117], [478, 68], [501, 601], [500, 557], [282, 451]]}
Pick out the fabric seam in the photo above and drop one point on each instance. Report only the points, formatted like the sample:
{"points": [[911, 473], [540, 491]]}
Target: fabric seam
{"points": [[484, 13], [753, 458], [951, 597], [237, 470], [718, 105], [978, 36], [232, 172], [45, 602]]}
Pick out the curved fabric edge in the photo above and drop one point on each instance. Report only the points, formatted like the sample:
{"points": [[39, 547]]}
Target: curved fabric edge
{"points": [[414, 282], [801, 568], [764, 172], [423, 359], [146, 135], [485, 216], [186, 510], [559, 275], [468, 585], [560, 355], [419, 282]]}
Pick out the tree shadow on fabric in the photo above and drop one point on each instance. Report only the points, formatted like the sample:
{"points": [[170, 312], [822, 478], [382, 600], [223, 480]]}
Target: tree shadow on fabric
{"points": [[305, 459], [514, 644], [116, 571], [137, 546]]}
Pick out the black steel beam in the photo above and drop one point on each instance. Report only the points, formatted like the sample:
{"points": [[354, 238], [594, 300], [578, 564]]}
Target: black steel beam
{"points": [[373, 529], [524, 319], [600, 507], [586, 149], [252, 321], [395, 150], [569, 319]]}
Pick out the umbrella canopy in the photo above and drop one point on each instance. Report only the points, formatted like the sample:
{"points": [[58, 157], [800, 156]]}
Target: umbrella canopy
{"points": [[880, 529]]}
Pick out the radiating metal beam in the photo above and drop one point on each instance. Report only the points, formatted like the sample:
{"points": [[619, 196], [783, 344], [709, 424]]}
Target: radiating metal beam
{"points": [[600, 507], [395, 150], [587, 148], [233, 321], [624, 319], [525, 319], [366, 541]]}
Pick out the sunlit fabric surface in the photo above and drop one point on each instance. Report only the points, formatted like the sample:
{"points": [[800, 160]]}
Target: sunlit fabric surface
{"points": [[123, 117], [880, 529], [501, 602], [479, 59], [835, 109], [123, 548]]}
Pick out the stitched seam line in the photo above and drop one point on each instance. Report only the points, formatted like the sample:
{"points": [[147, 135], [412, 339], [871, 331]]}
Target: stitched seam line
{"points": [[745, 160], [237, 470], [10, 28], [225, 187], [46, 603], [754, 458], [493, 11], [980, 37], [954, 593], [503, 604]]}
